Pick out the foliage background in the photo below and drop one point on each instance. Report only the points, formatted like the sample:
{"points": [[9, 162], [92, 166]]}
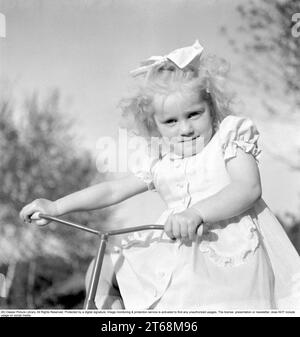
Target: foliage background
{"points": [[45, 267], [40, 144]]}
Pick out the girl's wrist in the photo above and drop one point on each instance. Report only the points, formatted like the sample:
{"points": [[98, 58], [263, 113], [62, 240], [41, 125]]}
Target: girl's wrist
{"points": [[57, 208], [199, 212]]}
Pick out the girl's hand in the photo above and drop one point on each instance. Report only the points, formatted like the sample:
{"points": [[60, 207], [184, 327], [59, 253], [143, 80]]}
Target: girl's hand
{"points": [[185, 225], [45, 206]]}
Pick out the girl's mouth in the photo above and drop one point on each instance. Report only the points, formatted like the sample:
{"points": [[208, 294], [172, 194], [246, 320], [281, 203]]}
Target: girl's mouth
{"points": [[188, 139]]}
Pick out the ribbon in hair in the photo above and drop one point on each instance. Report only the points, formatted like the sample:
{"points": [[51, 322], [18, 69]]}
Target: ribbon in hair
{"points": [[181, 57]]}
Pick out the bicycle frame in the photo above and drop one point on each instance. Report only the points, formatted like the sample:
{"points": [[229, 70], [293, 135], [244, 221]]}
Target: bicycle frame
{"points": [[103, 236]]}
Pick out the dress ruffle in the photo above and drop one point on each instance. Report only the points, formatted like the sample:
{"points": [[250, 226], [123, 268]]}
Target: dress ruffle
{"points": [[146, 177], [233, 244]]}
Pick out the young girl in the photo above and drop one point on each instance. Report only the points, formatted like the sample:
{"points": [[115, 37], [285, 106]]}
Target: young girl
{"points": [[222, 248]]}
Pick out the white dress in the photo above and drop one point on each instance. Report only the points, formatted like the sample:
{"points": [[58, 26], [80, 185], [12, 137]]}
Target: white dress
{"points": [[246, 262]]}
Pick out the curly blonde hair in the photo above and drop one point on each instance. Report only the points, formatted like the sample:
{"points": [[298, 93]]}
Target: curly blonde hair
{"points": [[209, 80]]}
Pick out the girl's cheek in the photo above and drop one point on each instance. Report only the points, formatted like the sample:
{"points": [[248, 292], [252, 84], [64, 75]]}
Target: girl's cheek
{"points": [[171, 132]]}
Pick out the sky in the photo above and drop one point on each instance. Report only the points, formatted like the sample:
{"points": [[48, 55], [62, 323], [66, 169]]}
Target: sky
{"points": [[86, 48]]}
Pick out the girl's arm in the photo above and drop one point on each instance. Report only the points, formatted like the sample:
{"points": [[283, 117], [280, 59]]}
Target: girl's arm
{"points": [[101, 195], [94, 197], [238, 196]]}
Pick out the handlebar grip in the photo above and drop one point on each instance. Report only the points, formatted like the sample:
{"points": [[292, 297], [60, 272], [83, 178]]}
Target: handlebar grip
{"points": [[200, 229], [35, 216]]}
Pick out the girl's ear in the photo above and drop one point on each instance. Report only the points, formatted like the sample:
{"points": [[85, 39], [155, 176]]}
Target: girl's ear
{"points": [[152, 126]]}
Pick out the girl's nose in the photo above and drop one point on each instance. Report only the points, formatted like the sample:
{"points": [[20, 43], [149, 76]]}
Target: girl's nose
{"points": [[186, 129]]}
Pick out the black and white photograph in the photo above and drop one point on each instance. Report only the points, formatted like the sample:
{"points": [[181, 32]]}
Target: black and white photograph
{"points": [[150, 157]]}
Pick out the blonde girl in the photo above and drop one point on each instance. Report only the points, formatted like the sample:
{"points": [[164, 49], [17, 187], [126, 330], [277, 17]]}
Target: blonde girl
{"points": [[222, 248]]}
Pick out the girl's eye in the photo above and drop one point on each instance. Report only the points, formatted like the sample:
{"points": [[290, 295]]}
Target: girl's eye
{"points": [[196, 114], [170, 122]]}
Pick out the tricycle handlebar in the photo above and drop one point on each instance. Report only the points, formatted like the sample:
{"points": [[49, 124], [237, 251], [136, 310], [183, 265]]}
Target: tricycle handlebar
{"points": [[93, 284], [105, 233], [103, 236]]}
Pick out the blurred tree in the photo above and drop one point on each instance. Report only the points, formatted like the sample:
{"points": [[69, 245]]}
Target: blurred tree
{"points": [[271, 47], [268, 38], [265, 38], [39, 159], [292, 225], [271, 55]]}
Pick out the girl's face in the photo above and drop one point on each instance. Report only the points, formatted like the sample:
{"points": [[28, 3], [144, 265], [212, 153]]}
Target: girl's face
{"points": [[185, 121]]}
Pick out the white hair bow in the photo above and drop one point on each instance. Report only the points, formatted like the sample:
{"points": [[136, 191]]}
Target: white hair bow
{"points": [[180, 57]]}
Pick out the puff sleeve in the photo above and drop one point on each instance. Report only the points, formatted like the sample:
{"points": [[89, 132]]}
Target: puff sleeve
{"points": [[141, 165], [238, 132]]}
